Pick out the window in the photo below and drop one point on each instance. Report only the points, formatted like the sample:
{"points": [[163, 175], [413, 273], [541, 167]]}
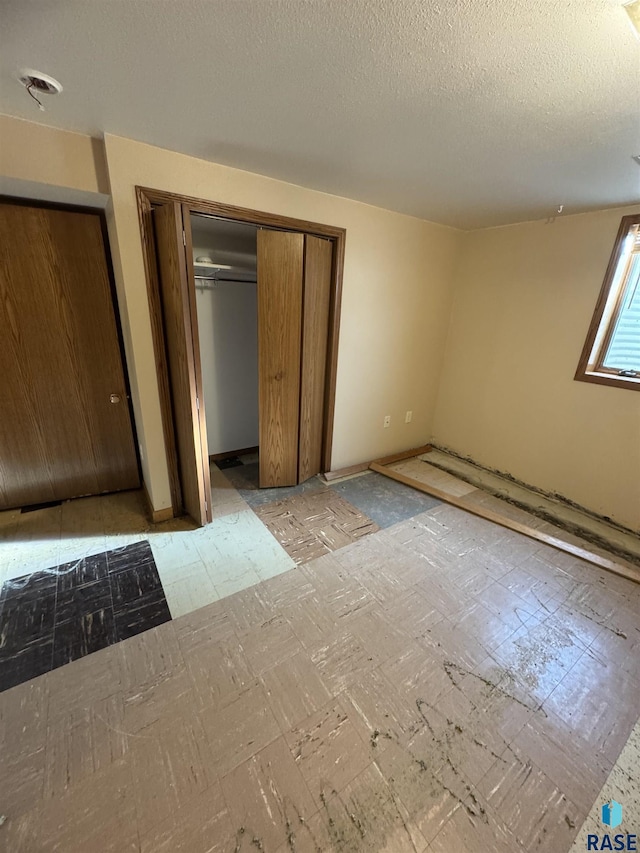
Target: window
{"points": [[611, 354]]}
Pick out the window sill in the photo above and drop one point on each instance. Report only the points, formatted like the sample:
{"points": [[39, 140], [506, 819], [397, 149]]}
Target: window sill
{"points": [[609, 379]]}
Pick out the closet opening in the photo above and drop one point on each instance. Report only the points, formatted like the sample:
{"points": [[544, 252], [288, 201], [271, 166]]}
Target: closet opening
{"points": [[225, 270], [245, 316]]}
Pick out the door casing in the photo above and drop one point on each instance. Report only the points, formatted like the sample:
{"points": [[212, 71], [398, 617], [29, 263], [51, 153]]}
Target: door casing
{"points": [[184, 359], [147, 198]]}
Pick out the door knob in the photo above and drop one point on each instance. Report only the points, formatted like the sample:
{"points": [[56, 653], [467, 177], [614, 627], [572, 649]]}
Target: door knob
{"points": [[115, 398]]}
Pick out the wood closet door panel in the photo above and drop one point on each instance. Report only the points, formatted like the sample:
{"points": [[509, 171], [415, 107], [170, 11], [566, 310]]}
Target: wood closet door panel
{"points": [[203, 459], [280, 273], [60, 362], [318, 258], [178, 330]]}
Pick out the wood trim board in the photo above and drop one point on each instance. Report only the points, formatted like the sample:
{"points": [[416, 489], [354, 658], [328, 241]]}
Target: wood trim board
{"points": [[240, 214], [335, 303], [385, 460], [182, 352], [156, 515], [405, 454], [203, 448], [158, 337], [617, 566]]}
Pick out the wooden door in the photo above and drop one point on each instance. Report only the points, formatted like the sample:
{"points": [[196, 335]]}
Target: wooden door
{"points": [[294, 291], [280, 276], [65, 423], [175, 269], [318, 256]]}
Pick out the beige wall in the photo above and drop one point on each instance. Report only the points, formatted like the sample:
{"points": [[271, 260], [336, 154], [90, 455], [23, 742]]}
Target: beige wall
{"points": [[397, 282], [35, 153], [524, 298], [396, 301]]}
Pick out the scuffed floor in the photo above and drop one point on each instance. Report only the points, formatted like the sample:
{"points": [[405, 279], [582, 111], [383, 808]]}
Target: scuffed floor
{"points": [[623, 785], [440, 685]]}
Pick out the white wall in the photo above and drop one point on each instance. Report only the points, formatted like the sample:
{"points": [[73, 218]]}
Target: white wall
{"points": [[524, 299], [228, 329]]}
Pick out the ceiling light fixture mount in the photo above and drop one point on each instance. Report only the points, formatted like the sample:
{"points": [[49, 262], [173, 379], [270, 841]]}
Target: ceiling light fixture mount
{"points": [[37, 82]]}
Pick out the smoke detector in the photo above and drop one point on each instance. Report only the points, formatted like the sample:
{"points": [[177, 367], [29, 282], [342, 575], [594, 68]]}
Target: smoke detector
{"points": [[40, 82], [36, 83]]}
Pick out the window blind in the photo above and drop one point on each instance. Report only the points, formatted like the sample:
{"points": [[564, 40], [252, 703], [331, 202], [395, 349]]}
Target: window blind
{"points": [[623, 352]]}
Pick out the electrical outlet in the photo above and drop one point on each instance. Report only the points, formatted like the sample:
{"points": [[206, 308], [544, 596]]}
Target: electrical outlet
{"points": [[407, 417], [387, 421]]}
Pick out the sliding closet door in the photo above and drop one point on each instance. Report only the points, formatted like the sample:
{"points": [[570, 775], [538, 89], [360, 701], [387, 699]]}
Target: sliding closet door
{"points": [[315, 326], [280, 277], [180, 329]]}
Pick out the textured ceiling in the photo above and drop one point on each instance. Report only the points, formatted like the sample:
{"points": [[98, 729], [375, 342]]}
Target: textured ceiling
{"points": [[466, 112]]}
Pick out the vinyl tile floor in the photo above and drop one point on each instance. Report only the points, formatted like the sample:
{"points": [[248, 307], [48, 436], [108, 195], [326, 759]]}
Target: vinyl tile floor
{"points": [[196, 565], [249, 540], [51, 617], [255, 534], [442, 684]]}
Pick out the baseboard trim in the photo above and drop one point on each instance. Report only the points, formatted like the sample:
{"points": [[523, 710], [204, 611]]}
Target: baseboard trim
{"points": [[156, 515]]}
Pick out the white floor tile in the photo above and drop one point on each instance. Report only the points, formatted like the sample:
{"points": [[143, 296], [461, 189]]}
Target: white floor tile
{"points": [[236, 583], [240, 545], [188, 588], [174, 549]]}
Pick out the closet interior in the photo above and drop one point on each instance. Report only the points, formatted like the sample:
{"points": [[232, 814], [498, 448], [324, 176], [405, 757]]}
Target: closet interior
{"points": [[225, 269]]}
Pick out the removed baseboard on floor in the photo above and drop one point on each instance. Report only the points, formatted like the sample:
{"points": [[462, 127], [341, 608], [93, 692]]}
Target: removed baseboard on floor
{"points": [[352, 470], [612, 563], [405, 454], [535, 500]]}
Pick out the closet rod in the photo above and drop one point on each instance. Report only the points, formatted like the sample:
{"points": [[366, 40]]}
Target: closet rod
{"points": [[224, 281]]}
